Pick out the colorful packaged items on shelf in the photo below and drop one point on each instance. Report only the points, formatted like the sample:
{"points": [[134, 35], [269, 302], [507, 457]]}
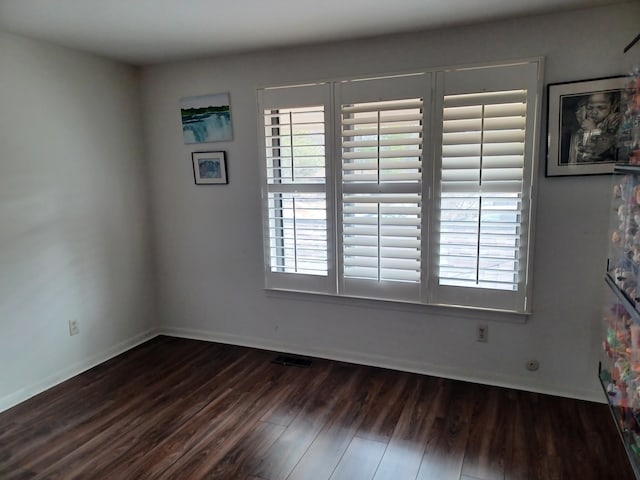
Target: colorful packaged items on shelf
{"points": [[621, 374], [624, 255], [628, 141], [620, 366]]}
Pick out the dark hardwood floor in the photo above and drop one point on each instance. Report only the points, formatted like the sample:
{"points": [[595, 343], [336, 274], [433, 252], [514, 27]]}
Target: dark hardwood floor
{"points": [[184, 409]]}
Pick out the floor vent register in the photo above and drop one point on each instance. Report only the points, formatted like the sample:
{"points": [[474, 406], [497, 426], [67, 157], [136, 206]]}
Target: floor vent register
{"points": [[291, 361]]}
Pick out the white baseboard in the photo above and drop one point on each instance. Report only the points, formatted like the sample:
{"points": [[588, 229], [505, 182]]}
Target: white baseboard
{"points": [[23, 394], [406, 365], [487, 378]]}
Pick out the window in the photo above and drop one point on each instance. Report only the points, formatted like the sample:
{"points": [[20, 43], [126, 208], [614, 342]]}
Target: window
{"points": [[413, 187], [297, 217]]}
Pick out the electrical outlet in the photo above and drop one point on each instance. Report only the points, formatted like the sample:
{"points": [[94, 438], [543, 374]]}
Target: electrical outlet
{"points": [[533, 365], [74, 329], [482, 334]]}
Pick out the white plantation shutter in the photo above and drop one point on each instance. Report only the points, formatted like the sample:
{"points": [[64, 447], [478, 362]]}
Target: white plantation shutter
{"points": [[298, 232], [481, 189], [412, 188], [295, 145], [295, 188], [381, 237], [381, 131], [481, 237]]}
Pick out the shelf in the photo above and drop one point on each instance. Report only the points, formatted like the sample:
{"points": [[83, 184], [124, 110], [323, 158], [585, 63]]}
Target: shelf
{"points": [[619, 368], [625, 435], [616, 372], [628, 304], [628, 169]]}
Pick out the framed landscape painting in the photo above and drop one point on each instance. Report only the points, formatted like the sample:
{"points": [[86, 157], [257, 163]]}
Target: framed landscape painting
{"points": [[206, 118]]}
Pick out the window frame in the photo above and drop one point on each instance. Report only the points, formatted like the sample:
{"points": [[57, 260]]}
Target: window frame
{"points": [[430, 293], [303, 96]]}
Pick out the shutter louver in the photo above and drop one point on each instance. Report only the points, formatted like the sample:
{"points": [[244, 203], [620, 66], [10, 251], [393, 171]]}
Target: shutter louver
{"points": [[381, 196], [480, 225], [295, 171]]}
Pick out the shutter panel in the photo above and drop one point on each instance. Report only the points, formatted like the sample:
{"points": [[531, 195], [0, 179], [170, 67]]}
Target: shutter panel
{"points": [[381, 192], [295, 145], [296, 213], [295, 156], [481, 189], [381, 237], [298, 232], [484, 179]]}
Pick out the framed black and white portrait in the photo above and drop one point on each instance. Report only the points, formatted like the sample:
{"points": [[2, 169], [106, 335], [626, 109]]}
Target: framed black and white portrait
{"points": [[583, 121]]}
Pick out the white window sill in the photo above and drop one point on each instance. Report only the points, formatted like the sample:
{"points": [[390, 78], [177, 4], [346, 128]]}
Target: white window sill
{"points": [[457, 311]]}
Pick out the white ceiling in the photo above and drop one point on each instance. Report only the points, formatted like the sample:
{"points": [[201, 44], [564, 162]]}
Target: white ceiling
{"points": [[151, 31]]}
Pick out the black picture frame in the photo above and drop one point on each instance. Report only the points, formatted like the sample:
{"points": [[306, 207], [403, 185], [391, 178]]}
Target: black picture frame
{"points": [[209, 168], [582, 124]]}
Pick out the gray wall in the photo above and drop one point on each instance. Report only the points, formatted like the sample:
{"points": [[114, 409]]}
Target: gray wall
{"points": [[74, 216], [208, 239]]}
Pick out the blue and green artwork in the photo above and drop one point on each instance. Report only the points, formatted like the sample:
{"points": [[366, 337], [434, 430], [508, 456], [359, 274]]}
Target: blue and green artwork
{"points": [[209, 168], [206, 118]]}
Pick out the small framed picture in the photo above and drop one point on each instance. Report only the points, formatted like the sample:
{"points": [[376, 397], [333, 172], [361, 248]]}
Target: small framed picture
{"points": [[209, 168], [583, 121]]}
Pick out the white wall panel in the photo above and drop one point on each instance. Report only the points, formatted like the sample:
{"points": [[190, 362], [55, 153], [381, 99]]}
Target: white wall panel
{"points": [[74, 215]]}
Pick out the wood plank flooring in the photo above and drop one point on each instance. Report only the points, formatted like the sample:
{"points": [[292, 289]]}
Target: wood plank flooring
{"points": [[184, 409]]}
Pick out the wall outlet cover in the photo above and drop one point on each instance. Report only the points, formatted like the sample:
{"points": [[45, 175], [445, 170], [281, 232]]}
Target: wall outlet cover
{"points": [[74, 329]]}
